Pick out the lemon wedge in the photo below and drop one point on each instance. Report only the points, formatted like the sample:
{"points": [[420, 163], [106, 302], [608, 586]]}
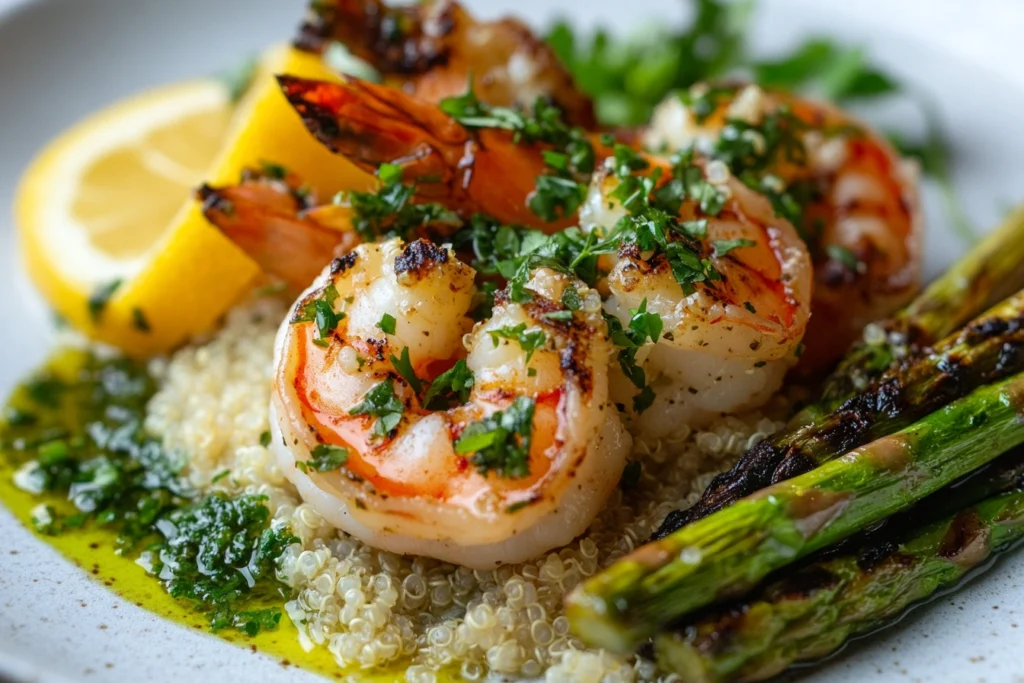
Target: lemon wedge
{"points": [[109, 230]]}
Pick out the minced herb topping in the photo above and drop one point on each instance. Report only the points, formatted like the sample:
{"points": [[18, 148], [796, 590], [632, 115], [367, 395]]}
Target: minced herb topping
{"points": [[75, 429]]}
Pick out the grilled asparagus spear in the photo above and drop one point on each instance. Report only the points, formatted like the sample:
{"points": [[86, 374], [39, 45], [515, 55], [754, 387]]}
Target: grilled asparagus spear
{"points": [[990, 272], [809, 614], [727, 553], [989, 349]]}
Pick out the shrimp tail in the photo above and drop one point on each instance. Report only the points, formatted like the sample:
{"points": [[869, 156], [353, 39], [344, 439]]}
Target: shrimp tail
{"points": [[433, 49], [372, 124], [267, 224]]}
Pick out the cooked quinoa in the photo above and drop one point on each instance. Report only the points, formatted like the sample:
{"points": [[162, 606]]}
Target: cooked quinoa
{"points": [[371, 608]]}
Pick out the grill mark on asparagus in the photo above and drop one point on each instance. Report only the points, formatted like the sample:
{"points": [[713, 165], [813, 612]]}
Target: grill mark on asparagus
{"points": [[915, 387]]}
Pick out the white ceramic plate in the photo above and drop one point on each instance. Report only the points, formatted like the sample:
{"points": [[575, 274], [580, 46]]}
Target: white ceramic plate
{"points": [[61, 59]]}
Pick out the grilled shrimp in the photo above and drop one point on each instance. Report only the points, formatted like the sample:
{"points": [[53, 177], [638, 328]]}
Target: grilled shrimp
{"points": [[860, 213], [275, 220], [726, 345], [431, 50], [413, 429], [470, 171]]}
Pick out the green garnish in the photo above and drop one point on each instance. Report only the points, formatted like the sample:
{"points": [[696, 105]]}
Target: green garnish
{"points": [[204, 546], [500, 443], [325, 458], [387, 323], [389, 212], [100, 297], [382, 403], [321, 312], [139, 321], [273, 170], [529, 341], [403, 366], [723, 247], [453, 385], [847, 258], [643, 327], [86, 445], [628, 78], [571, 299], [265, 439], [561, 191]]}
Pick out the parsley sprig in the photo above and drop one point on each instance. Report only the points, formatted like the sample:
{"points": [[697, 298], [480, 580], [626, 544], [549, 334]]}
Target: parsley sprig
{"points": [[320, 311], [570, 156], [390, 211], [325, 458], [381, 402], [529, 340], [500, 443], [644, 326]]}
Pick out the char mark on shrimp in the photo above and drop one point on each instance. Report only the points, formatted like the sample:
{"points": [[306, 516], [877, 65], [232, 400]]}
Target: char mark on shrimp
{"points": [[419, 258]]}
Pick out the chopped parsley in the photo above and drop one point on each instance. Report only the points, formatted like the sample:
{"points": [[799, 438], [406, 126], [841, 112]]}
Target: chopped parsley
{"points": [[87, 452], [325, 458], [451, 386], [723, 247], [390, 211], [571, 299], [403, 366], [500, 443], [529, 340], [100, 297], [844, 256], [382, 403], [320, 311], [139, 321], [215, 551], [643, 326], [265, 439], [387, 323], [570, 161]]}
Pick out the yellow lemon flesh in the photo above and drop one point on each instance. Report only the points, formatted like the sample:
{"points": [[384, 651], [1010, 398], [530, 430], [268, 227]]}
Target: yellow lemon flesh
{"points": [[109, 231]]}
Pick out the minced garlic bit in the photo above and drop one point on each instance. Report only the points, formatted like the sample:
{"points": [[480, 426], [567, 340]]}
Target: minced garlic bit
{"points": [[371, 608], [750, 106]]}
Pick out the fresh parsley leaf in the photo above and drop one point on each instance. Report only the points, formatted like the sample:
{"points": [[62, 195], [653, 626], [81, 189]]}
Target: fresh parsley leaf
{"points": [[453, 385], [404, 368], [100, 297], [382, 403], [645, 325], [723, 247], [139, 320], [500, 443], [571, 298], [387, 323], [556, 197], [628, 78], [529, 340], [320, 311], [325, 458], [847, 258]]}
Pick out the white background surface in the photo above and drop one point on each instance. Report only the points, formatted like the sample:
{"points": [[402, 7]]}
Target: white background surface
{"points": [[967, 53]]}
